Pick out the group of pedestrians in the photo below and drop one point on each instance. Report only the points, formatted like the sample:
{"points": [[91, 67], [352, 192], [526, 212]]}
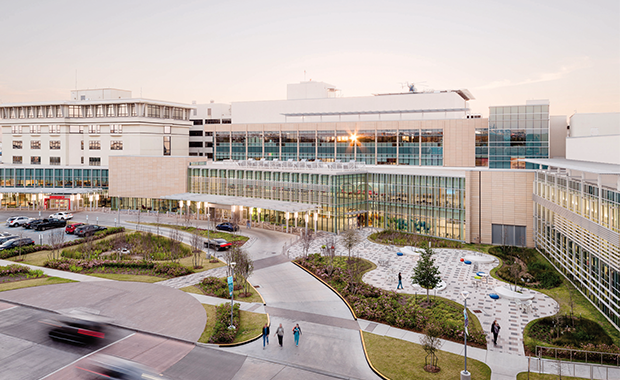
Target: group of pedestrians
{"points": [[280, 334]]}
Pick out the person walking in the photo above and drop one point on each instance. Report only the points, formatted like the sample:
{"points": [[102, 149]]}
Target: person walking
{"points": [[280, 334], [296, 333], [265, 335], [400, 281], [495, 330]]}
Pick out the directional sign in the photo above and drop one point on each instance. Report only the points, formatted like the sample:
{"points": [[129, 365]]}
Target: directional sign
{"points": [[230, 284]]}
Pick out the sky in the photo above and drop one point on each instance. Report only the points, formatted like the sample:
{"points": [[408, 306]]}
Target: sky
{"points": [[503, 52]]}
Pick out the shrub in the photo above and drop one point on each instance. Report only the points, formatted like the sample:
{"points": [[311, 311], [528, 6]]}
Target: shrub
{"points": [[166, 269], [221, 333]]}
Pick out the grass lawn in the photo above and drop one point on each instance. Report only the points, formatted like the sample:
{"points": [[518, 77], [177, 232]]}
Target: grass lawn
{"points": [[33, 282], [536, 376], [192, 289], [581, 307], [128, 277], [251, 325], [399, 359], [206, 265], [34, 258]]}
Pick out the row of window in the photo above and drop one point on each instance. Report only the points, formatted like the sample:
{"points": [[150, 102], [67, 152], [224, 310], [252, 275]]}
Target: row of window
{"points": [[40, 177], [93, 129], [55, 144], [36, 160], [94, 110]]}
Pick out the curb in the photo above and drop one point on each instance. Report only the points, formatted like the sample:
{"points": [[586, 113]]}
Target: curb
{"points": [[260, 295], [330, 287], [224, 345], [368, 359]]}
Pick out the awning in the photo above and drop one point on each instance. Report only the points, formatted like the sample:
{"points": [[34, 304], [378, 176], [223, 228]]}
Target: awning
{"points": [[265, 204]]}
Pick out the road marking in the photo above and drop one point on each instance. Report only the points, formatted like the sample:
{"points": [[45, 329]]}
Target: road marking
{"points": [[85, 356]]}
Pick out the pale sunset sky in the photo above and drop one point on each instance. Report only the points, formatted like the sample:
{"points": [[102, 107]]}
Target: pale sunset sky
{"points": [[504, 52]]}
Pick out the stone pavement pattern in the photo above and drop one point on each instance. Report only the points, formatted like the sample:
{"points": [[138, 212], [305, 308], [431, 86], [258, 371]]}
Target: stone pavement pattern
{"points": [[458, 277]]}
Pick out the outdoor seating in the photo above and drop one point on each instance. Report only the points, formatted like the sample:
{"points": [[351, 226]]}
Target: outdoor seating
{"points": [[494, 296]]}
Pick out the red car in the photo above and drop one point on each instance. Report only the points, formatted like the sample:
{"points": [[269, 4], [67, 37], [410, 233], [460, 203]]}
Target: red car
{"points": [[71, 227]]}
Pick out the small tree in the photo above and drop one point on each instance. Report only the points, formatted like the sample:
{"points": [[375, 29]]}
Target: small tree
{"points": [[350, 238], [244, 267], [175, 244], [431, 343], [56, 240], [330, 243], [425, 273], [306, 241], [196, 242]]}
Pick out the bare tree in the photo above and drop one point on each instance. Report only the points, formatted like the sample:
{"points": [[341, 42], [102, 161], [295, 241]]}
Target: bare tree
{"points": [[157, 221], [350, 238], [244, 267], [89, 245], [175, 244], [330, 244], [196, 241], [431, 343], [307, 238], [56, 239]]}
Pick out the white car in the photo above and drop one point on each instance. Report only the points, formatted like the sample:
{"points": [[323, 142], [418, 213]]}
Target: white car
{"points": [[62, 215], [17, 221]]}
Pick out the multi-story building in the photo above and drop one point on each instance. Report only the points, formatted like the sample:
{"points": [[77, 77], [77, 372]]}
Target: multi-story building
{"points": [[201, 138], [577, 210]]}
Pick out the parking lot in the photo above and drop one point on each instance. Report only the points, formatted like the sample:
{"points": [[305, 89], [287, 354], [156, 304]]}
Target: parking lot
{"points": [[39, 237]]}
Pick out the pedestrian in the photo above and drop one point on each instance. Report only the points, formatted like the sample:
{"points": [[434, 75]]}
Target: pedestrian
{"points": [[296, 333], [400, 281], [495, 330], [280, 334], [265, 335], [249, 225]]}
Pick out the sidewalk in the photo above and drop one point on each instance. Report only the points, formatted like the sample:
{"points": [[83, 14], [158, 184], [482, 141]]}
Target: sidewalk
{"points": [[57, 273]]}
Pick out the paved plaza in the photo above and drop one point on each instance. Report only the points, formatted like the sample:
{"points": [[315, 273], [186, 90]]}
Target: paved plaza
{"points": [[458, 277]]}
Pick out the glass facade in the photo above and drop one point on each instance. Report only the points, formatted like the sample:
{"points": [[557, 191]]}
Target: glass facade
{"points": [[576, 225], [517, 132], [430, 205], [58, 178]]}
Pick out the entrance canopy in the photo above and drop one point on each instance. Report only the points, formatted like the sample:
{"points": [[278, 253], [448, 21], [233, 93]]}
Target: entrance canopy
{"points": [[265, 204]]}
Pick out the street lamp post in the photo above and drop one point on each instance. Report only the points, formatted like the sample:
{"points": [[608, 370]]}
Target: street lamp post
{"points": [[306, 218], [316, 217], [465, 375]]}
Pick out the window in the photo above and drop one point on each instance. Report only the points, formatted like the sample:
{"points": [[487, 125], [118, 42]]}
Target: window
{"points": [[35, 129], [116, 145], [167, 147], [94, 161], [122, 110], [17, 129], [110, 112], [54, 129], [75, 111], [226, 121], [195, 144], [82, 160], [508, 235], [167, 129], [197, 122], [152, 110], [94, 129], [82, 144], [35, 144], [99, 111], [17, 144], [195, 133], [116, 128], [212, 121], [40, 112], [35, 160], [55, 144], [17, 159], [178, 113], [94, 145]]}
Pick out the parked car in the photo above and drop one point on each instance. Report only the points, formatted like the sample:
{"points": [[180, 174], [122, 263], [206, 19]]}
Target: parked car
{"points": [[18, 242], [46, 224], [227, 226], [71, 227], [80, 331], [17, 221], [32, 223], [88, 230], [217, 244], [62, 215], [4, 239]]}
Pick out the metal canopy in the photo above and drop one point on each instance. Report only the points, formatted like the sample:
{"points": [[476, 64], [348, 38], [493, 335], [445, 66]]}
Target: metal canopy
{"points": [[582, 166], [265, 204], [375, 112]]}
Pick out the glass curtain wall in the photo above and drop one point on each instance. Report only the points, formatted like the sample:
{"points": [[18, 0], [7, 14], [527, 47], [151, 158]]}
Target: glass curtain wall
{"points": [[387, 149], [59, 178], [344, 146], [289, 145], [431, 147], [307, 145], [238, 145], [255, 144], [365, 147], [272, 145], [409, 147], [222, 145], [326, 145], [482, 147]]}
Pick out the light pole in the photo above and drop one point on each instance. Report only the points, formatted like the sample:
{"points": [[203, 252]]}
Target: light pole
{"points": [[316, 217], [306, 218], [231, 286], [464, 374]]}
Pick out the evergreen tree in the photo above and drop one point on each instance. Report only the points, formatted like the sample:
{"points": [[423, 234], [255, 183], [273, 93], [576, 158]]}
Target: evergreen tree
{"points": [[426, 274]]}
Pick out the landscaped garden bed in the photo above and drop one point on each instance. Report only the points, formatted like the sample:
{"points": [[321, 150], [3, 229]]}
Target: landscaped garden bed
{"points": [[399, 310], [248, 325], [234, 239], [137, 267], [13, 272], [525, 267], [218, 287], [399, 238]]}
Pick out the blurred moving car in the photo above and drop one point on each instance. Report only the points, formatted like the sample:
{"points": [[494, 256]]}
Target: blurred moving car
{"points": [[88, 230], [32, 223], [112, 367], [46, 224], [6, 238], [63, 215], [71, 227], [227, 226], [218, 244], [17, 242], [17, 221], [76, 329]]}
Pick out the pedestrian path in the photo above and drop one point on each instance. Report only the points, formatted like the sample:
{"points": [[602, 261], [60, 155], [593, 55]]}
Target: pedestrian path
{"points": [[194, 278], [458, 277]]}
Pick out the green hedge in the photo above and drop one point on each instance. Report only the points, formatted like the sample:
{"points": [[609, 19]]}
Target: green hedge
{"points": [[221, 333], [541, 274]]}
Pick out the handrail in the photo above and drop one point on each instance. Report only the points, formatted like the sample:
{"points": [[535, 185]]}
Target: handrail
{"points": [[539, 350]]}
